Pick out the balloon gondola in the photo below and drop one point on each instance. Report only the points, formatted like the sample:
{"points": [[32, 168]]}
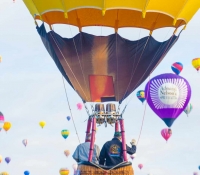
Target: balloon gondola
{"points": [[107, 68]]}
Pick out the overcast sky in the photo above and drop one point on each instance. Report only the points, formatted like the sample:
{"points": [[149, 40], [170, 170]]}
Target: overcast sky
{"points": [[31, 90]]}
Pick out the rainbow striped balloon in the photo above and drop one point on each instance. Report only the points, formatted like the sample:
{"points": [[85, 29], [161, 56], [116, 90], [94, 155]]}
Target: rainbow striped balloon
{"points": [[177, 68], [65, 133]]}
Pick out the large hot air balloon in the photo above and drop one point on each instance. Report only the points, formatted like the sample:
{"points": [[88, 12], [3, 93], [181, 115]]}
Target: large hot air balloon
{"points": [[140, 166], [25, 142], [166, 133], [64, 171], [168, 95], [108, 68], [65, 133], [67, 152], [177, 67], [1, 121], [79, 58], [141, 95], [7, 159], [26, 172], [196, 63], [42, 124], [7, 126], [188, 109], [0, 158]]}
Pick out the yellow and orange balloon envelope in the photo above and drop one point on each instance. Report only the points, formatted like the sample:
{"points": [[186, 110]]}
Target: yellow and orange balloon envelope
{"points": [[67, 152], [64, 171], [0, 158], [196, 63], [4, 173], [42, 124], [7, 126], [0, 59]]}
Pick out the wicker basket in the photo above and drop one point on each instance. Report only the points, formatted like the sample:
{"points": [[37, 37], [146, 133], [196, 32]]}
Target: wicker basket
{"points": [[91, 170]]}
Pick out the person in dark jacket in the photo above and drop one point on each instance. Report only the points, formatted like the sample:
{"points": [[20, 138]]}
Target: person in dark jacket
{"points": [[112, 154]]}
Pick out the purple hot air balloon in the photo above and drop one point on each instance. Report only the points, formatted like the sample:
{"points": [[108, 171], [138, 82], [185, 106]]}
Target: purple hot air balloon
{"points": [[7, 159], [168, 95]]}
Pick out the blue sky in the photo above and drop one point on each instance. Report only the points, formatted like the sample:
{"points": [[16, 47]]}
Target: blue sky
{"points": [[31, 90]]}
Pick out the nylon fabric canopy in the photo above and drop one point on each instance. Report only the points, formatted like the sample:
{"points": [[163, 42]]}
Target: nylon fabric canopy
{"points": [[104, 68], [147, 14]]}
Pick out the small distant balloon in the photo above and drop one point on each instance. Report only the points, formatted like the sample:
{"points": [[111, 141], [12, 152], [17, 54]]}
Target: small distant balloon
{"points": [[141, 95], [177, 68], [25, 142], [26, 172], [133, 156], [67, 152], [1, 121], [1, 158], [79, 106], [7, 159], [75, 166], [64, 171], [196, 63], [166, 133], [199, 167], [68, 118], [188, 109], [195, 173], [0, 59], [42, 124], [65, 133], [140, 166], [7, 126]]}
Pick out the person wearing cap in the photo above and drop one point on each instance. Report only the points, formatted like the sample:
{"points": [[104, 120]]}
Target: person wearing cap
{"points": [[112, 154], [82, 151]]}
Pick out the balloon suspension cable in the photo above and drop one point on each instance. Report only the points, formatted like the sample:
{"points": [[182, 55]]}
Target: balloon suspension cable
{"points": [[148, 89], [86, 108], [152, 61], [144, 114], [134, 68], [70, 109], [81, 67], [56, 43], [149, 79]]}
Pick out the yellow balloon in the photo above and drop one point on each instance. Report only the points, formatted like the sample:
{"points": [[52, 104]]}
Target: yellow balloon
{"points": [[196, 63], [7, 126], [0, 59], [42, 124], [64, 171], [4, 173], [0, 158]]}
